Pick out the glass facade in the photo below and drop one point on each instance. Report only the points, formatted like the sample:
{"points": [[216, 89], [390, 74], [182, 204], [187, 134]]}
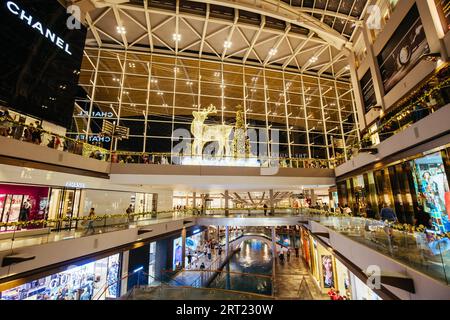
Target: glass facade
{"points": [[153, 95], [420, 181]]}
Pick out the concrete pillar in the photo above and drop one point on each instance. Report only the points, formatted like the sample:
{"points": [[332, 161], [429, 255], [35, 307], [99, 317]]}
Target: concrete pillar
{"points": [[271, 203], [183, 246], [313, 197], [227, 240], [194, 199], [227, 197]]}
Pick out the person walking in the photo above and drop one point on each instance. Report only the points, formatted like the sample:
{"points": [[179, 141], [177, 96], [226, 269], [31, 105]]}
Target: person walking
{"points": [[265, 209], [288, 254], [296, 252], [129, 211], [209, 253], [91, 217], [387, 214], [189, 257]]}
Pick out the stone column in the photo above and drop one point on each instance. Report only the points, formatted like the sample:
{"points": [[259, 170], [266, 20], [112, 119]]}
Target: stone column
{"points": [[227, 202], [271, 203], [194, 199]]}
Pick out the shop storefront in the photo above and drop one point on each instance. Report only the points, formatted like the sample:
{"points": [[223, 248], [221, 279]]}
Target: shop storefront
{"points": [[419, 181], [97, 280], [329, 272], [23, 203]]}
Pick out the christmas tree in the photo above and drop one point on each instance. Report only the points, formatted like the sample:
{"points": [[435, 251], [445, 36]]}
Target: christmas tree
{"points": [[241, 143]]}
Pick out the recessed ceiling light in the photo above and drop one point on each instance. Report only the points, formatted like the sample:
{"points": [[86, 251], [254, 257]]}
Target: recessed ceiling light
{"points": [[227, 44], [159, 93], [176, 69], [313, 59], [189, 83], [131, 64], [121, 29], [217, 74], [176, 37], [273, 51]]}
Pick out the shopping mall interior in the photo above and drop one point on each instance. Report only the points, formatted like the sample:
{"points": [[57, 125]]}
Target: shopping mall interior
{"points": [[216, 150]]}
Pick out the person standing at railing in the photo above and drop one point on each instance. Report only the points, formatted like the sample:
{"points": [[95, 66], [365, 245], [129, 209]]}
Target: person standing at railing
{"points": [[91, 217], [129, 211], [5, 123]]}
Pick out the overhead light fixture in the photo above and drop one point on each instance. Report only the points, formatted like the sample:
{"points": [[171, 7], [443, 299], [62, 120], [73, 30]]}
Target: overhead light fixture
{"points": [[189, 83], [159, 93], [121, 30], [176, 37], [273, 51], [153, 80], [126, 92], [131, 64], [313, 59], [227, 44], [176, 69], [164, 105], [347, 67], [254, 79], [222, 86], [217, 74]]}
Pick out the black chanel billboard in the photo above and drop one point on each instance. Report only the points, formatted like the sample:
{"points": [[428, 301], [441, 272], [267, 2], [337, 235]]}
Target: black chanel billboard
{"points": [[40, 59]]}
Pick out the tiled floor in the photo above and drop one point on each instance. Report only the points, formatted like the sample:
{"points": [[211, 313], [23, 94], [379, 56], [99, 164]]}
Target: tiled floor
{"points": [[293, 281]]}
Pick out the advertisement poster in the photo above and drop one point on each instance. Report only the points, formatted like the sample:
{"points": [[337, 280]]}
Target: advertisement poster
{"points": [[403, 51], [76, 283], [368, 91], [177, 253], [327, 271], [431, 184]]}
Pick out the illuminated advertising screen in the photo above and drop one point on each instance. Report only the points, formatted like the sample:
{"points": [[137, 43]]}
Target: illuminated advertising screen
{"points": [[431, 184], [403, 50], [177, 253], [95, 280], [41, 58]]}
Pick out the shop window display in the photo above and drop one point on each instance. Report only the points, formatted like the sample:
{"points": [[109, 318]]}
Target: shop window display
{"points": [[84, 282], [431, 184], [23, 203]]}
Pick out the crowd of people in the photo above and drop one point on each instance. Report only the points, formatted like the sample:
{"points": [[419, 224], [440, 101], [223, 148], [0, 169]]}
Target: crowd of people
{"points": [[336, 295], [208, 250]]}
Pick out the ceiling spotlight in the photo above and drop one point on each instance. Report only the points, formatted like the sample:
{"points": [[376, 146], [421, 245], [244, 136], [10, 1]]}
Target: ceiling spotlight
{"points": [[126, 92], [273, 51], [313, 59], [253, 90], [133, 105], [176, 37], [121, 30], [131, 64], [254, 79], [153, 80], [217, 74], [227, 44], [159, 93], [222, 86], [176, 69], [164, 105], [189, 83]]}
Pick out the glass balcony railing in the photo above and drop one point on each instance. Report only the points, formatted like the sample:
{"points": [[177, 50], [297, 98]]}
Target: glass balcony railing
{"points": [[430, 96], [31, 134]]}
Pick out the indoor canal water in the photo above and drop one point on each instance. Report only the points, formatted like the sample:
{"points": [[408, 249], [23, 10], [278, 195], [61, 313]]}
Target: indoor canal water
{"points": [[249, 270]]}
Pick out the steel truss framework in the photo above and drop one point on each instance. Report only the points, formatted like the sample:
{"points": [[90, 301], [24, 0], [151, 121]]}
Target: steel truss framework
{"points": [[154, 94], [300, 35]]}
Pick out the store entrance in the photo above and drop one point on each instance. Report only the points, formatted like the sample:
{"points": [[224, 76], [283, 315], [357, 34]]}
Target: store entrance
{"points": [[64, 206]]}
